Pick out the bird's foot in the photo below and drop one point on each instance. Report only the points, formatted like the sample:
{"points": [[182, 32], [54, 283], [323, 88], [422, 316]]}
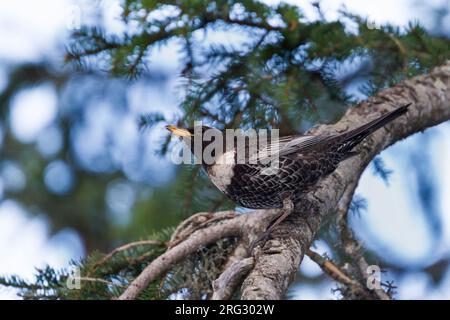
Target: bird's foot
{"points": [[258, 242], [286, 210]]}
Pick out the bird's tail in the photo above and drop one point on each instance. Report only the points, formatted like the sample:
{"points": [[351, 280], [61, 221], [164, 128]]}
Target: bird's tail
{"points": [[349, 140]]}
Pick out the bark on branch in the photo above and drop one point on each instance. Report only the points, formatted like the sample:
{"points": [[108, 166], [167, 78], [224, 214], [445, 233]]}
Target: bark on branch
{"points": [[276, 264], [228, 227], [430, 98]]}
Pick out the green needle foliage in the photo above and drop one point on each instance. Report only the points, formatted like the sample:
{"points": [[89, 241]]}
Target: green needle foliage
{"points": [[102, 276], [286, 72]]}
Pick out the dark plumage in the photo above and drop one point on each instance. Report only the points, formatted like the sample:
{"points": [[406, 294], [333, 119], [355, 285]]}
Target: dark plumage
{"points": [[303, 161]]}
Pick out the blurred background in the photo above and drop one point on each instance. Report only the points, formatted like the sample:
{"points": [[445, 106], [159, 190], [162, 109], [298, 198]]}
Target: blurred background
{"points": [[78, 175]]}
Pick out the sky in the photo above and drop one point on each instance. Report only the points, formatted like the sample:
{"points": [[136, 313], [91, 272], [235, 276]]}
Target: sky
{"points": [[391, 223]]}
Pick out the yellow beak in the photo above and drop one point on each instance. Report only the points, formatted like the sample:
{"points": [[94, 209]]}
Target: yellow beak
{"points": [[178, 131]]}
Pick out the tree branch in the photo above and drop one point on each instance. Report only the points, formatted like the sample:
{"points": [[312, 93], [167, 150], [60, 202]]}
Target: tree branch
{"points": [[352, 288], [277, 262], [350, 244], [127, 247], [430, 98], [330, 268], [257, 222], [231, 278]]}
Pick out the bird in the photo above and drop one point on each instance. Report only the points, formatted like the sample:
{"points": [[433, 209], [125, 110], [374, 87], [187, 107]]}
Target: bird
{"points": [[303, 161]]}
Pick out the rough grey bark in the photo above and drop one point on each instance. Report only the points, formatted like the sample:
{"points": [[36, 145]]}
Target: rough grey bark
{"points": [[277, 264], [201, 229], [225, 286]]}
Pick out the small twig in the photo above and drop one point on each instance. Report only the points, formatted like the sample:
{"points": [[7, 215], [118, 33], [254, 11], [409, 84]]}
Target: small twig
{"points": [[186, 226], [402, 50], [188, 198], [126, 247], [354, 287], [89, 279], [350, 244], [196, 222], [316, 4], [225, 286], [330, 268], [218, 203]]}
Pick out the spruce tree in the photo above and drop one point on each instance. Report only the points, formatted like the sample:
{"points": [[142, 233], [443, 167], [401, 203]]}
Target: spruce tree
{"points": [[289, 73]]}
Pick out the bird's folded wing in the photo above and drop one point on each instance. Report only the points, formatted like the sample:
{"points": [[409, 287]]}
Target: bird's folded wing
{"points": [[288, 145]]}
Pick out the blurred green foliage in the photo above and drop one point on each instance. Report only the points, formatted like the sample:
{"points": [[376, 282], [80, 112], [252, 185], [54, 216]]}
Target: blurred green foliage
{"points": [[287, 72]]}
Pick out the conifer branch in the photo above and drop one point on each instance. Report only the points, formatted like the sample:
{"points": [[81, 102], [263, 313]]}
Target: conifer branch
{"points": [[279, 259], [127, 246], [430, 98], [284, 73], [330, 268], [240, 224], [349, 243]]}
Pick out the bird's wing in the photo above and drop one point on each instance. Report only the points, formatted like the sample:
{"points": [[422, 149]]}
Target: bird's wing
{"points": [[288, 145], [300, 144]]}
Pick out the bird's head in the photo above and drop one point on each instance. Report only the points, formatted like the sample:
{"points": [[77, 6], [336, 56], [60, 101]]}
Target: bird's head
{"points": [[205, 134], [188, 132], [180, 132]]}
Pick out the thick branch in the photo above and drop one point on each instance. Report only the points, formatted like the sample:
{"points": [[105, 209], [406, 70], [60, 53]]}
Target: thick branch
{"points": [[231, 278], [430, 98], [276, 264], [225, 228]]}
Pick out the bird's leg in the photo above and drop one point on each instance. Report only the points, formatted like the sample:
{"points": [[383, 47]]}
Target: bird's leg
{"points": [[285, 211]]}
